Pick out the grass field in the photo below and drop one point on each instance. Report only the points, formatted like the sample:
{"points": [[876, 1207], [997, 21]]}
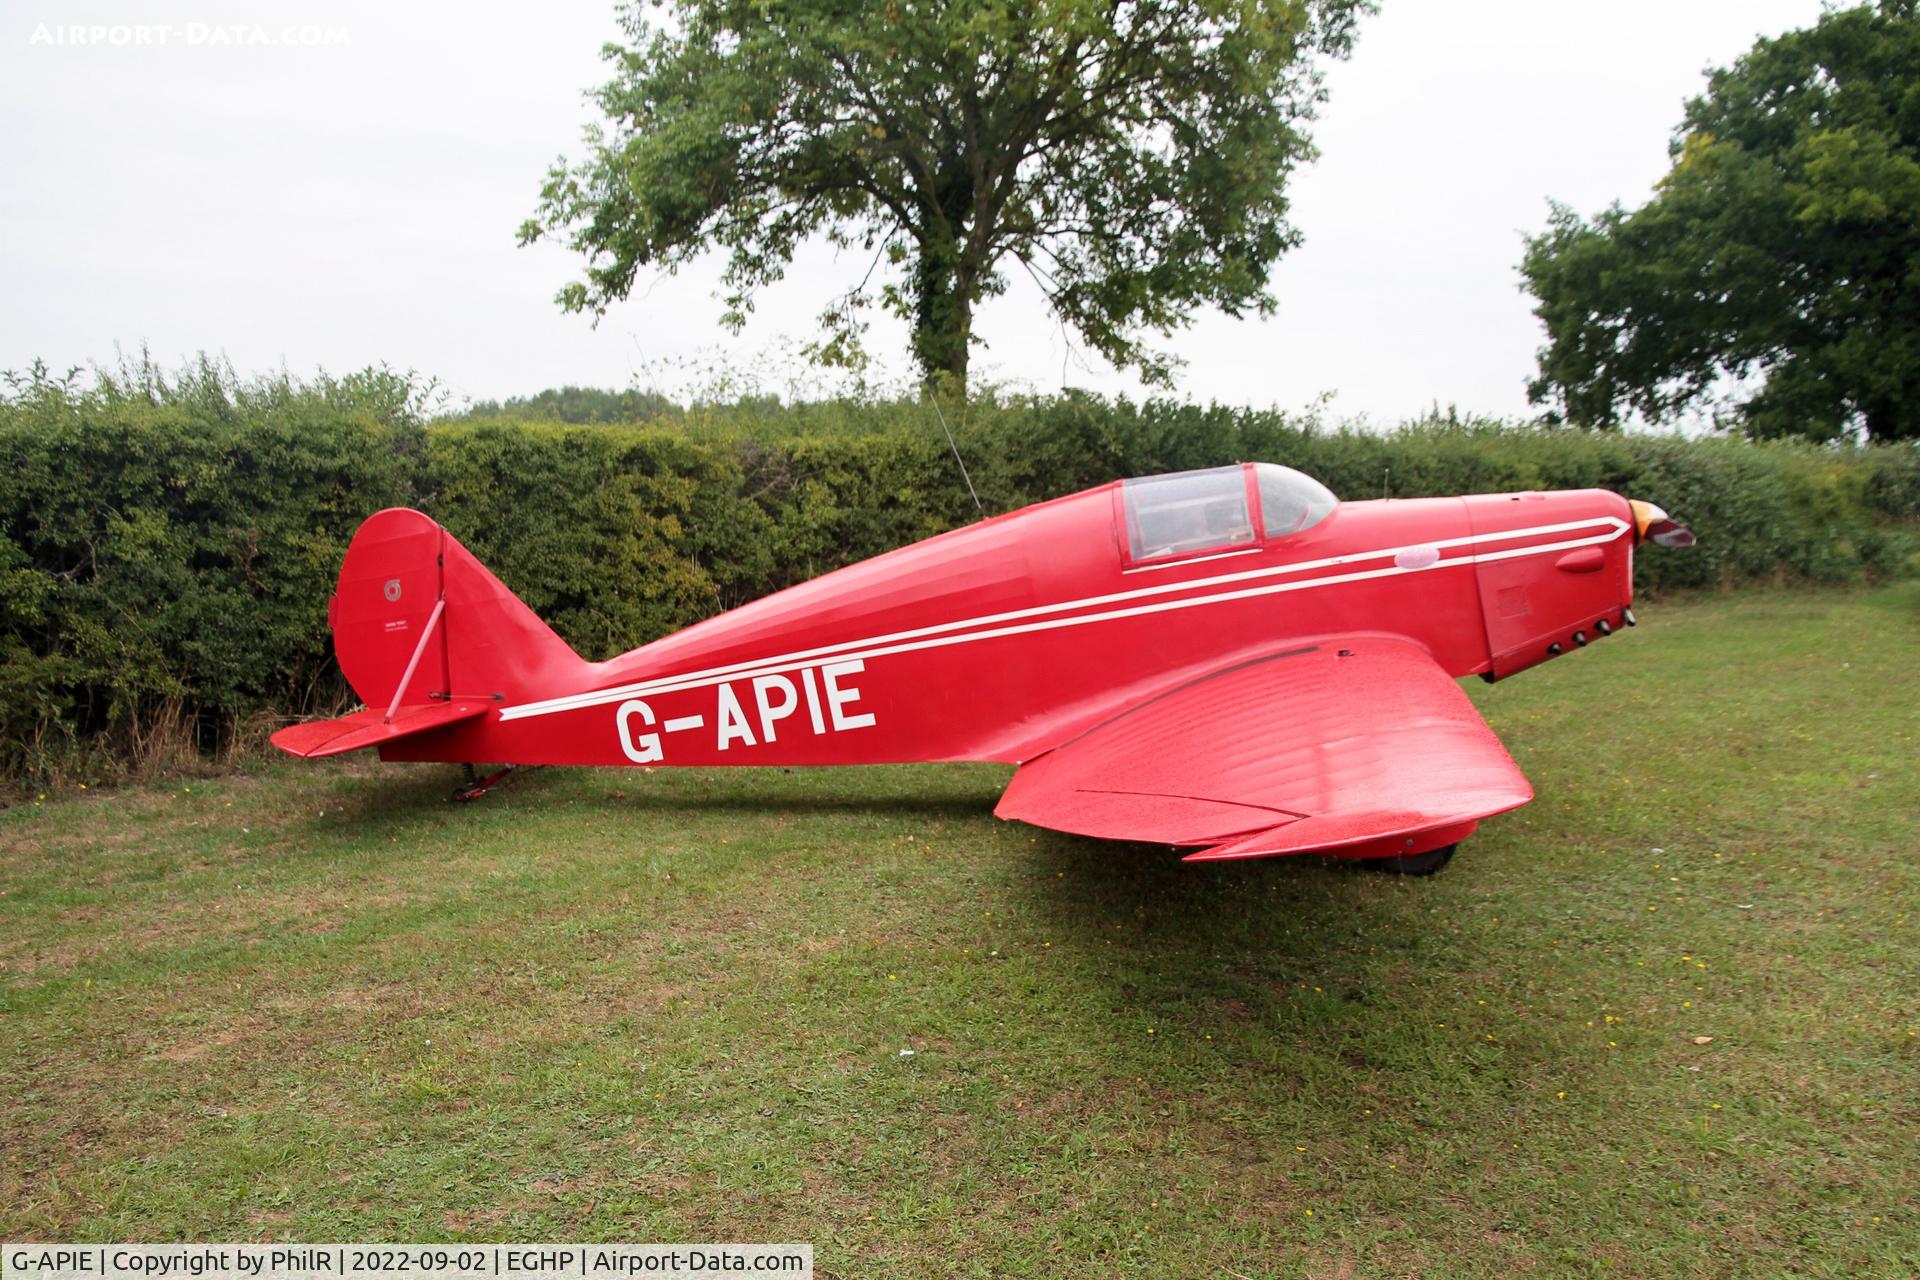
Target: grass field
{"points": [[1664, 1021]]}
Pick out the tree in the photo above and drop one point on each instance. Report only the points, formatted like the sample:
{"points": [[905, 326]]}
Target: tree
{"points": [[1775, 273], [580, 405], [1132, 156]]}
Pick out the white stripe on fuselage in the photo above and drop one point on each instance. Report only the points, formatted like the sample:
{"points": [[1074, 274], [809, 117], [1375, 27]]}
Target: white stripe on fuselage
{"points": [[914, 639]]}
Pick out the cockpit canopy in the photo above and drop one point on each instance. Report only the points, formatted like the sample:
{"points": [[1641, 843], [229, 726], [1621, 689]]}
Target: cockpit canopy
{"points": [[1187, 513]]}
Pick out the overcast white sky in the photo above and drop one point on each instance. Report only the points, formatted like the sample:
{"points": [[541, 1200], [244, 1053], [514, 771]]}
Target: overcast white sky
{"points": [[348, 195]]}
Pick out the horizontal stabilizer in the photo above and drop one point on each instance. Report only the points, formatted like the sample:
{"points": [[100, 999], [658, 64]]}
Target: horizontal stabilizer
{"points": [[371, 728]]}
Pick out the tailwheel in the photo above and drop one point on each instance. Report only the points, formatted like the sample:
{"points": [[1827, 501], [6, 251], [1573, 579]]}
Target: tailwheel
{"points": [[1412, 864], [473, 786]]}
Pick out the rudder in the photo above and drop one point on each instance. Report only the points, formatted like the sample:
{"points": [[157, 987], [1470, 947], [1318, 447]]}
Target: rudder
{"points": [[405, 577]]}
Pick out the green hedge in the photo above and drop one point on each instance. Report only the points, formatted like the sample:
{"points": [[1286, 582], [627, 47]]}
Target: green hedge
{"points": [[168, 546], [166, 553]]}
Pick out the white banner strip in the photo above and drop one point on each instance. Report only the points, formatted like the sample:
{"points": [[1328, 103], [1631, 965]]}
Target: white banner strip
{"points": [[399, 1261]]}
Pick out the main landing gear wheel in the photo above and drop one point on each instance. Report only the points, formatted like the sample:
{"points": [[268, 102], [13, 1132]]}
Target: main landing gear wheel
{"points": [[1412, 864]]}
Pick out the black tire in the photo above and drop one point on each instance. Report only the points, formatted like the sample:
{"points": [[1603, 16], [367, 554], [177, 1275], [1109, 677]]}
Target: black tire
{"points": [[1412, 864]]}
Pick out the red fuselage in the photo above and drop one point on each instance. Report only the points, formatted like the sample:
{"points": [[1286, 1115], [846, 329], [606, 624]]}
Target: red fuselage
{"points": [[1004, 639]]}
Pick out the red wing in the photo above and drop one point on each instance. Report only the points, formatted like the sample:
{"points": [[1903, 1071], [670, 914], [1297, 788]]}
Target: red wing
{"points": [[1348, 745]]}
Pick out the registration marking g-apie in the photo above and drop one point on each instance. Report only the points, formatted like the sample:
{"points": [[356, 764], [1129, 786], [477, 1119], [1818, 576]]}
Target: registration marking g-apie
{"points": [[751, 714]]}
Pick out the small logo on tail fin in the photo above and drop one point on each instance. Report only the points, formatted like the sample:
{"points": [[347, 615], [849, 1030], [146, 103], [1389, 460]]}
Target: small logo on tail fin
{"points": [[392, 589]]}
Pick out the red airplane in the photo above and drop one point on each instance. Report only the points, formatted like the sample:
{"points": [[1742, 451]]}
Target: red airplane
{"points": [[1230, 660]]}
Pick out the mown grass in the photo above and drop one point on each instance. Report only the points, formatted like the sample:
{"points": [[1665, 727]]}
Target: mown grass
{"points": [[323, 1003]]}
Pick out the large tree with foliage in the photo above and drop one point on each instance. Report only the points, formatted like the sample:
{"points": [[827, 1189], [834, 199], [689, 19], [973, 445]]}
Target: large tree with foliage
{"points": [[1131, 154], [1775, 274]]}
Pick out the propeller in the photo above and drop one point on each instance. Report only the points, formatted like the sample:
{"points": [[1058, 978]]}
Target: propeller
{"points": [[1651, 524]]}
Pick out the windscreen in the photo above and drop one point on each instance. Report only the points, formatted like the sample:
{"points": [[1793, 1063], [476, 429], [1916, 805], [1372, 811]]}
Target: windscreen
{"points": [[1291, 501]]}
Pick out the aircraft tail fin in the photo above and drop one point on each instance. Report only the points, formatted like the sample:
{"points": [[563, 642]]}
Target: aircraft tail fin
{"points": [[419, 623]]}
